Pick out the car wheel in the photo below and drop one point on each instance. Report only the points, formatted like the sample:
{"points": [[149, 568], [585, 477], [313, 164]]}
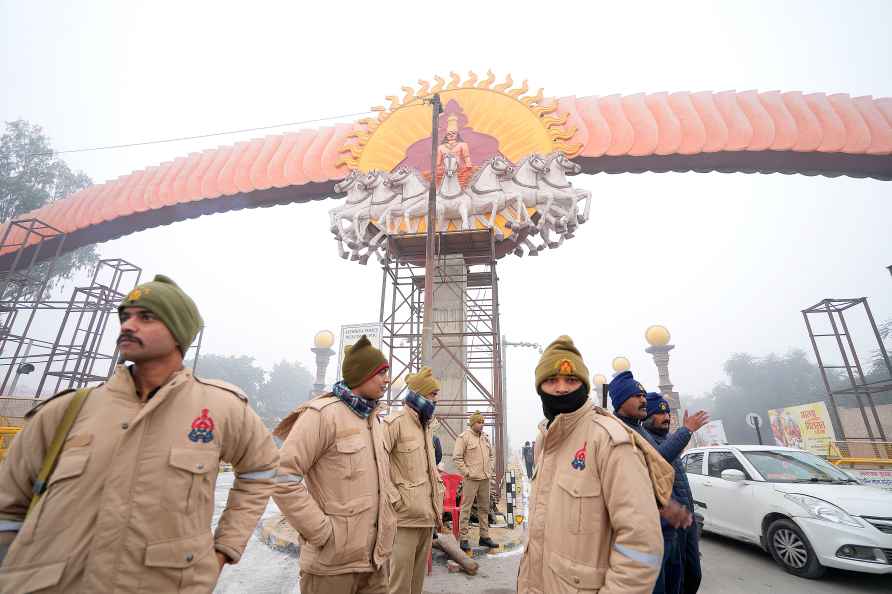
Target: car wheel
{"points": [[791, 550]]}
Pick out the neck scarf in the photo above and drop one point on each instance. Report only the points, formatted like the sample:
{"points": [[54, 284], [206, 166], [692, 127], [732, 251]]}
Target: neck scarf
{"points": [[629, 420], [363, 407], [553, 406], [421, 405]]}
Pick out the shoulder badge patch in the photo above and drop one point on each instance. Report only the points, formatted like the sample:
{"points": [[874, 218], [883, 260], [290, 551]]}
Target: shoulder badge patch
{"points": [[202, 428], [579, 458]]}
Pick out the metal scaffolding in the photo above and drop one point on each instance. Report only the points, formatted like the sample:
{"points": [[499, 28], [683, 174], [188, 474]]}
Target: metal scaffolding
{"points": [[467, 335], [851, 370], [23, 286], [78, 355]]}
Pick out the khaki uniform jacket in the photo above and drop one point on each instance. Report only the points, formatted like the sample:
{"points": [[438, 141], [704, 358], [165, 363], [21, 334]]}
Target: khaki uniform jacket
{"points": [[334, 487], [594, 524], [129, 506], [413, 470], [473, 455]]}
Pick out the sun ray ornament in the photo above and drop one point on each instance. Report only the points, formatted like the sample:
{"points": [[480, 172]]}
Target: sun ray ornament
{"points": [[503, 162]]}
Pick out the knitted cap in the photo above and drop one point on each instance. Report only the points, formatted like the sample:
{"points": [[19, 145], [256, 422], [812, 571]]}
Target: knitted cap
{"points": [[623, 387], [562, 358], [476, 418], [173, 307], [656, 404], [423, 382], [361, 361]]}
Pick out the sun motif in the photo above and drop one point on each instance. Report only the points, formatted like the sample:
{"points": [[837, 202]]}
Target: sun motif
{"points": [[523, 123]]}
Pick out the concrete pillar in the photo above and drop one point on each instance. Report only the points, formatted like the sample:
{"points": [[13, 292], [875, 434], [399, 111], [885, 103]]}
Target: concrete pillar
{"points": [[661, 359], [449, 315]]}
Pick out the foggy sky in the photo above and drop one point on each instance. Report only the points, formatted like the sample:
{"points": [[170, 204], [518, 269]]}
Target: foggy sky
{"points": [[725, 261]]}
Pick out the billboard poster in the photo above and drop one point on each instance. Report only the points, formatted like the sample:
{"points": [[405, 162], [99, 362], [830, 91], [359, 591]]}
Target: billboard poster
{"points": [[350, 333], [711, 434], [806, 427]]}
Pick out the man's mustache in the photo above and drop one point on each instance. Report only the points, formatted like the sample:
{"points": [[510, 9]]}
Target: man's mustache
{"points": [[129, 338]]}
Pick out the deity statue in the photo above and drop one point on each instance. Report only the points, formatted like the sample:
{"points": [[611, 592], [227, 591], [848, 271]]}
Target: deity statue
{"points": [[453, 144]]}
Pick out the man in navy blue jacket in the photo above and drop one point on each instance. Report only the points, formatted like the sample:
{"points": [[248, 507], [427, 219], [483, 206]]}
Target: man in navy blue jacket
{"points": [[629, 400], [683, 569]]}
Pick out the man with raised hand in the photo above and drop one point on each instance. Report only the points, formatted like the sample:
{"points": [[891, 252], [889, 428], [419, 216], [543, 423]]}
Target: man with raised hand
{"points": [[334, 483], [682, 570], [630, 403], [128, 507], [413, 469], [593, 519]]}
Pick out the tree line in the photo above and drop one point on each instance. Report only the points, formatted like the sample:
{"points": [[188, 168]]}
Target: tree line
{"points": [[272, 393], [758, 384]]}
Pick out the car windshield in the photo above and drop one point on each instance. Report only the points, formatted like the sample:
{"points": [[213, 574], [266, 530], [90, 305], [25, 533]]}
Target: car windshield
{"points": [[795, 467]]}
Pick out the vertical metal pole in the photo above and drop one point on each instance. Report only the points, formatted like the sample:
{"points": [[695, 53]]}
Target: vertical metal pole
{"points": [[848, 368], [756, 424], [427, 332], [834, 411], [857, 361]]}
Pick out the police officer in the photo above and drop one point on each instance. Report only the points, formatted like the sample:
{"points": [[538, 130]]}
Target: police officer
{"points": [[593, 520], [474, 457], [128, 507], [630, 403], [683, 573], [413, 469], [334, 481]]}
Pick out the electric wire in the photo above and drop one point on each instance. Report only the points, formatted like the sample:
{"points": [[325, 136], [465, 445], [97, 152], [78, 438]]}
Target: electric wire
{"points": [[200, 136]]}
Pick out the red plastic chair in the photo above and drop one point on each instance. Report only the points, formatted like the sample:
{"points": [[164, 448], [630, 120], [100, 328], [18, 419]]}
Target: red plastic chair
{"points": [[451, 482]]}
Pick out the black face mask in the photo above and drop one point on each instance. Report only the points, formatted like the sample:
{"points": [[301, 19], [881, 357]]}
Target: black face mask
{"points": [[553, 406]]}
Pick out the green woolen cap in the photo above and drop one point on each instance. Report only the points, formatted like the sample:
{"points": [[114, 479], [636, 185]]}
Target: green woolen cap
{"points": [[362, 361], [174, 308], [562, 357]]}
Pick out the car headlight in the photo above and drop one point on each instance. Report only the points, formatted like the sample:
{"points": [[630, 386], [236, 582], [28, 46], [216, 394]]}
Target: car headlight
{"points": [[821, 510]]}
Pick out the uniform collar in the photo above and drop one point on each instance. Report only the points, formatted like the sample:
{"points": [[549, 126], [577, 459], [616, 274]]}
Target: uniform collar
{"points": [[121, 381], [565, 423]]}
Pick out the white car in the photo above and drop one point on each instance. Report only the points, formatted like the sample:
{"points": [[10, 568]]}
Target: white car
{"points": [[807, 513]]}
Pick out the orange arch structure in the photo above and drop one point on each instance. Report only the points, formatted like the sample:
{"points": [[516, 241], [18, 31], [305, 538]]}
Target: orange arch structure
{"points": [[769, 132]]}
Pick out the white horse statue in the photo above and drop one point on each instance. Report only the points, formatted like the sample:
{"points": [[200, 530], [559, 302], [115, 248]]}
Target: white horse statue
{"points": [[485, 189], [565, 204], [452, 202], [412, 191], [357, 197]]}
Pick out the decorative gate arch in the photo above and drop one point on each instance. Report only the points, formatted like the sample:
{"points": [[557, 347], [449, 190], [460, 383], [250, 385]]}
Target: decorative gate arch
{"points": [[768, 132]]}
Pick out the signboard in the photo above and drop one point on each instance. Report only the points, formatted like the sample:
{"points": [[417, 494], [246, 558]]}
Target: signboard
{"points": [[806, 427], [876, 478], [711, 434], [350, 333]]}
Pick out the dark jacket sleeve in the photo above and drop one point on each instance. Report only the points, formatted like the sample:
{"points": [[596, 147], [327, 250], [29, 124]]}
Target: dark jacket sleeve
{"points": [[438, 450], [674, 444]]}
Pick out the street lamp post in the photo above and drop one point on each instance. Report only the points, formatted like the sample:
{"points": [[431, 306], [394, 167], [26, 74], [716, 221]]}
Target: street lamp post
{"points": [[504, 404], [322, 343], [601, 386], [658, 338]]}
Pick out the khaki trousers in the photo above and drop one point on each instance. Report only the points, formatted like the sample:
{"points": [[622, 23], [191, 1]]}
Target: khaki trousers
{"points": [[408, 565], [345, 583], [472, 490]]}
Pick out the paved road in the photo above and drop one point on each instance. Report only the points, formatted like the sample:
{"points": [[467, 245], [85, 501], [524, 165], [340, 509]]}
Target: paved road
{"points": [[730, 567]]}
